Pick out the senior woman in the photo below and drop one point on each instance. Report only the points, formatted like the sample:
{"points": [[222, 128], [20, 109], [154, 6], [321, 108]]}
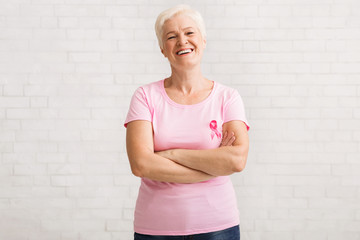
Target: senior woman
{"points": [[185, 135]]}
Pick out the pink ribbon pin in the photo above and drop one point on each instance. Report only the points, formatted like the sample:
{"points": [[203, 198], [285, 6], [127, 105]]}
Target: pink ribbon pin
{"points": [[213, 127]]}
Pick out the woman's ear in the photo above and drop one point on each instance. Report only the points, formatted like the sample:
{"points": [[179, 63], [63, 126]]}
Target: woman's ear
{"points": [[162, 51]]}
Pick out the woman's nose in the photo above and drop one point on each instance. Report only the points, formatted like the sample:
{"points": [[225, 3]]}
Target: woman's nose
{"points": [[182, 40]]}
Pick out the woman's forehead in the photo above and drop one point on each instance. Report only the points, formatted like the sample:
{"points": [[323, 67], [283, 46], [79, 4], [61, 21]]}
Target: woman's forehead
{"points": [[178, 22]]}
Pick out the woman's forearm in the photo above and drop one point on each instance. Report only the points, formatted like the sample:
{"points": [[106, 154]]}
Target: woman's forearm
{"points": [[217, 162], [161, 169]]}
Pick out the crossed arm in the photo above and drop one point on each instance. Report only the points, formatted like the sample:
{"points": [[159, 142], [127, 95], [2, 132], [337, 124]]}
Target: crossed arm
{"points": [[183, 165]]}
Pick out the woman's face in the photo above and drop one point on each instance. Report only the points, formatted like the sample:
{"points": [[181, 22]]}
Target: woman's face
{"points": [[183, 43]]}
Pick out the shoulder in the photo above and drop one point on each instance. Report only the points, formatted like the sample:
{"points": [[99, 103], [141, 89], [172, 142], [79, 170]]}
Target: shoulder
{"points": [[150, 89], [150, 93], [152, 86], [226, 92]]}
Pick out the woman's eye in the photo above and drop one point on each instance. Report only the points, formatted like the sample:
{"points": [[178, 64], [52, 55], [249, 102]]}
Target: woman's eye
{"points": [[189, 33], [171, 37]]}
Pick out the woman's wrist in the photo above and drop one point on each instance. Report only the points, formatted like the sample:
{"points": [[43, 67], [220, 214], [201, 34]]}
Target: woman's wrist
{"points": [[165, 154]]}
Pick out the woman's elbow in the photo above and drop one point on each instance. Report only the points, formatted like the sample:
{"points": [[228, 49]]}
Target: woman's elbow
{"points": [[239, 165], [239, 160], [137, 170]]}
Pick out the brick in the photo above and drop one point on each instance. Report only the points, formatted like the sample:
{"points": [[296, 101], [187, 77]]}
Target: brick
{"points": [[312, 234], [214, 10], [13, 90], [346, 68], [295, 22], [64, 169], [309, 191], [276, 46], [350, 180], [333, 135], [340, 10], [314, 214], [29, 169], [243, 10], [278, 225], [326, 124], [324, 102], [293, 170], [7, 170], [14, 102], [67, 181], [24, 113], [352, 124], [275, 11], [261, 22], [311, 10], [329, 22], [251, 46], [42, 181], [337, 146], [347, 235], [7, 136], [263, 235], [327, 203], [321, 34], [340, 91], [349, 57], [341, 191], [121, 11], [99, 180], [352, 157], [57, 225], [288, 102], [305, 180], [84, 57], [95, 235], [11, 233], [118, 225], [97, 169], [273, 91], [279, 34], [309, 46], [74, 33], [294, 68], [36, 10]]}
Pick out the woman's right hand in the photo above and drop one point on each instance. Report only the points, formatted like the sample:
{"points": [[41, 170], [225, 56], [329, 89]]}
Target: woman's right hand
{"points": [[227, 139]]}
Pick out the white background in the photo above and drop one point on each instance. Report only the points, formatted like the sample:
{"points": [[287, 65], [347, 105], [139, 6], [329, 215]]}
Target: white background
{"points": [[69, 67]]}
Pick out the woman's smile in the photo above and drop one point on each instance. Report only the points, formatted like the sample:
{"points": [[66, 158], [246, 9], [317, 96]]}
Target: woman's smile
{"points": [[184, 52]]}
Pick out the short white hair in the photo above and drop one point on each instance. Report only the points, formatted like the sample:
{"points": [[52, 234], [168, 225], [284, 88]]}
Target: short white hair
{"points": [[179, 9]]}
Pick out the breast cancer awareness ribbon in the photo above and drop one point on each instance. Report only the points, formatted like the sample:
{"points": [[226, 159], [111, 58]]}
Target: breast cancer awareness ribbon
{"points": [[213, 127]]}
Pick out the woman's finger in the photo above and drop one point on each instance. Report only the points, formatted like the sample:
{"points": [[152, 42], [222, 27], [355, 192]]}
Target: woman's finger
{"points": [[228, 139]]}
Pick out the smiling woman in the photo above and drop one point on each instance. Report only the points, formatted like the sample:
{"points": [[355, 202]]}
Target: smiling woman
{"points": [[181, 37], [183, 10], [185, 135]]}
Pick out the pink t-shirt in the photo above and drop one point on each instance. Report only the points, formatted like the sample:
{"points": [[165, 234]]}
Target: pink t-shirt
{"points": [[165, 208]]}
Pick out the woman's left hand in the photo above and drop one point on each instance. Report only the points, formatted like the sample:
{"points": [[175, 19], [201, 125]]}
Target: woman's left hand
{"points": [[227, 139]]}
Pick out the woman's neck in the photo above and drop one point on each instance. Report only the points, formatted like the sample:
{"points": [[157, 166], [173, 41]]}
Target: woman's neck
{"points": [[186, 82]]}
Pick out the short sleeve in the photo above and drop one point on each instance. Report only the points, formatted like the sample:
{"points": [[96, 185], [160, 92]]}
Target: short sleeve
{"points": [[139, 107], [234, 109]]}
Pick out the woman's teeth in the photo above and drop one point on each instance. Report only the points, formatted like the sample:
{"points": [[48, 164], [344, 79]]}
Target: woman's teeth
{"points": [[184, 51]]}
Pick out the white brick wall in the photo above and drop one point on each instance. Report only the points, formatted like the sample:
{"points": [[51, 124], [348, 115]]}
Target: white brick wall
{"points": [[68, 69]]}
